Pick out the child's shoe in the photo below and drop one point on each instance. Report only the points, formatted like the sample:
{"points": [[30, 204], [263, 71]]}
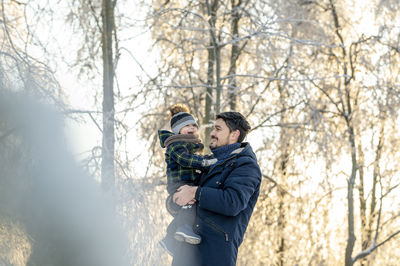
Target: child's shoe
{"points": [[185, 233], [168, 245]]}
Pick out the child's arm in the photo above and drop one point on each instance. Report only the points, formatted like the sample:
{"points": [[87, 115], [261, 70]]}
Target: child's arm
{"points": [[180, 154]]}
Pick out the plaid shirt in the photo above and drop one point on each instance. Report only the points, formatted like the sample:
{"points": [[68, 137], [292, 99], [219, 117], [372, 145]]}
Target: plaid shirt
{"points": [[182, 163]]}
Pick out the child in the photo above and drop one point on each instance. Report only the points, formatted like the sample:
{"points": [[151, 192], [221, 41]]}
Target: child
{"points": [[183, 168]]}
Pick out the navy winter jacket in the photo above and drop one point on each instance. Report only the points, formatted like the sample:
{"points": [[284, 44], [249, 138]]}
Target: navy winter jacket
{"points": [[226, 197]]}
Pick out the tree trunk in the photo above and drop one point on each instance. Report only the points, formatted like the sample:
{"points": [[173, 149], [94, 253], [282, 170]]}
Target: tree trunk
{"points": [[210, 79], [212, 13], [351, 239], [347, 115], [107, 165], [367, 230], [209, 95], [363, 200], [283, 166], [232, 86]]}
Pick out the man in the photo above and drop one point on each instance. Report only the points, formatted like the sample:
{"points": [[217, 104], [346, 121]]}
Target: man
{"points": [[226, 196]]}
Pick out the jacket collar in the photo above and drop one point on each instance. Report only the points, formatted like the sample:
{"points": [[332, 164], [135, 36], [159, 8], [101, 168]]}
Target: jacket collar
{"points": [[221, 153]]}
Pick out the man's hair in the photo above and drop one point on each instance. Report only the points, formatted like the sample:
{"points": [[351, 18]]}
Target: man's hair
{"points": [[236, 121]]}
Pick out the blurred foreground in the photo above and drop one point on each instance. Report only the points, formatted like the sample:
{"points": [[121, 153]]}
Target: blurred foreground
{"points": [[51, 213]]}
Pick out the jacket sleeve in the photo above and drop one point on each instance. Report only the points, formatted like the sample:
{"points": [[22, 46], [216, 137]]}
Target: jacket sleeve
{"points": [[236, 192], [179, 153]]}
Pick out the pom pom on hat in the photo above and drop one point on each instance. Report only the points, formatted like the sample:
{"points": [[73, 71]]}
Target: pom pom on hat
{"points": [[181, 117]]}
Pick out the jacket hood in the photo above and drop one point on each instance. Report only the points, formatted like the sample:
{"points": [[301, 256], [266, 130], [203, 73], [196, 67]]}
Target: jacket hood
{"points": [[163, 135], [244, 150]]}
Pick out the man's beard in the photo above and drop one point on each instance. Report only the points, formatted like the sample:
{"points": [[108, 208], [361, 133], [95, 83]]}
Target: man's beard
{"points": [[213, 146]]}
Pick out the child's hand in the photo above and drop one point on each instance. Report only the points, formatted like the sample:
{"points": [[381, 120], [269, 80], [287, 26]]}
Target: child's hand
{"points": [[208, 162]]}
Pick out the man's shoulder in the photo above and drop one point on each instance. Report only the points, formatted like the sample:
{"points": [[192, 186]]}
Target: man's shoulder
{"points": [[244, 150], [245, 154]]}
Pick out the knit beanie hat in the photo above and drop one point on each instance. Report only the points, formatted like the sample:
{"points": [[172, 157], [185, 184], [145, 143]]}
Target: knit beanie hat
{"points": [[181, 119]]}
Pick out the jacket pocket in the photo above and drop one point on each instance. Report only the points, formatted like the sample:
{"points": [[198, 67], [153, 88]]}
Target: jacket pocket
{"points": [[216, 228]]}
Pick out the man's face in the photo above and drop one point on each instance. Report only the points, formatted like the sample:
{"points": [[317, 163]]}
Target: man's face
{"points": [[220, 135], [189, 129]]}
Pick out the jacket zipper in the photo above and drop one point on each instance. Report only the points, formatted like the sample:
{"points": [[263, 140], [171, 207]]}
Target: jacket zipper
{"points": [[224, 161], [215, 165], [213, 225]]}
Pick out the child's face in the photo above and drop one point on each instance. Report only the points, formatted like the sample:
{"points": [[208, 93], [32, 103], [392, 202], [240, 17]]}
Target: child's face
{"points": [[189, 129]]}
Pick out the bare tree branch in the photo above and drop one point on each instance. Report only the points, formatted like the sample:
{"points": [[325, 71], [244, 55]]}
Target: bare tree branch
{"points": [[90, 113], [373, 247]]}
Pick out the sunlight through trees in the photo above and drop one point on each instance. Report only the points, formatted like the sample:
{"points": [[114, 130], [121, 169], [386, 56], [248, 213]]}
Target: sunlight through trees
{"points": [[318, 80]]}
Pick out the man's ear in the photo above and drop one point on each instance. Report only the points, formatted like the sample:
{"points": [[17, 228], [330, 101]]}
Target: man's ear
{"points": [[235, 135]]}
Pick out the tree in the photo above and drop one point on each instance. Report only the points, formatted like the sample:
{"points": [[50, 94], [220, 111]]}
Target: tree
{"points": [[97, 25], [19, 69], [348, 106], [47, 202], [322, 83], [108, 31]]}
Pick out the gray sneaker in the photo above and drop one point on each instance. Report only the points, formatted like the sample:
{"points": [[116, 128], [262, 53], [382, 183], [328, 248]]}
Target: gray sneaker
{"points": [[185, 233]]}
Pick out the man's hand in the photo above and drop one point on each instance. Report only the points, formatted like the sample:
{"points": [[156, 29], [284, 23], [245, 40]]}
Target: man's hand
{"points": [[185, 195]]}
